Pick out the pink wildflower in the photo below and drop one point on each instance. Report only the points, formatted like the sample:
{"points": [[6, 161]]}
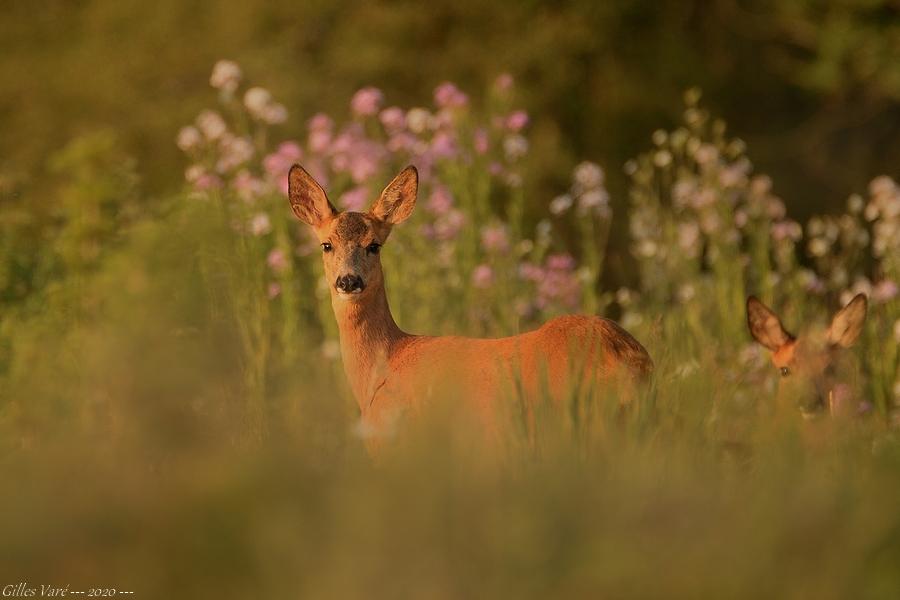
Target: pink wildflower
{"points": [[443, 145], [277, 260], [449, 225], [480, 140], [319, 140], [393, 119], [247, 187], [517, 121], [884, 291], [495, 238], [367, 101], [482, 276], [531, 272], [440, 200], [447, 95], [364, 162], [504, 82], [320, 122], [233, 152], [402, 142], [207, 182], [355, 199], [560, 262], [786, 230], [285, 155], [320, 132]]}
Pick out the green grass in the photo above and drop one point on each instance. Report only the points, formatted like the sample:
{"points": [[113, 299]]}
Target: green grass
{"points": [[137, 454], [172, 427]]}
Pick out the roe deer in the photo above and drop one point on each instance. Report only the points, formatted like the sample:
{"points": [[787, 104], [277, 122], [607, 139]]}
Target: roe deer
{"points": [[813, 374], [391, 371]]}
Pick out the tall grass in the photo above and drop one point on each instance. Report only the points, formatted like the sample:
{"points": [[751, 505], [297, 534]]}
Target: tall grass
{"points": [[175, 419]]}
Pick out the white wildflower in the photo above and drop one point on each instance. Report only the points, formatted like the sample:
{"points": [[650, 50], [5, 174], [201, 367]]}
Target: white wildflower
{"points": [[662, 159], [188, 138], [257, 101], [588, 175], [211, 124], [515, 147], [595, 200], [561, 204], [418, 120], [274, 114], [226, 76], [659, 137], [331, 349], [260, 224], [818, 246]]}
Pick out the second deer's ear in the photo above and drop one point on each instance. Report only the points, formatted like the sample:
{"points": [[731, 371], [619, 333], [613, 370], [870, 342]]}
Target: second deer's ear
{"points": [[765, 326], [399, 197], [308, 199], [848, 322]]}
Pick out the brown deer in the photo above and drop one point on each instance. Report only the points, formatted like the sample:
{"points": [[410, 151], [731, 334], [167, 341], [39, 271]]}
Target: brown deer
{"points": [[391, 371], [814, 375]]}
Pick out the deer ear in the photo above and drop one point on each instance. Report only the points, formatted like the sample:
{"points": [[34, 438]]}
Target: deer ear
{"points": [[765, 326], [308, 199], [848, 322], [399, 197]]}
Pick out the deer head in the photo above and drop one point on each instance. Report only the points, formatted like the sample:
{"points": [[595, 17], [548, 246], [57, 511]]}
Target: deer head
{"points": [[810, 365], [351, 241]]}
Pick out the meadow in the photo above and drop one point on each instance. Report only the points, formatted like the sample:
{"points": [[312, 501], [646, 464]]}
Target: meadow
{"points": [[175, 421]]}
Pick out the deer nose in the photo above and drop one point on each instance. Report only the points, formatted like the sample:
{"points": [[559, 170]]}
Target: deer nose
{"points": [[349, 284]]}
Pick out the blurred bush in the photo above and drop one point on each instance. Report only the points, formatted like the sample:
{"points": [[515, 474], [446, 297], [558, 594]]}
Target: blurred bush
{"points": [[812, 87]]}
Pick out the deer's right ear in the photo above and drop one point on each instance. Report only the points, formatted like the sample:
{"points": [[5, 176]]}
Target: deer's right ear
{"points": [[399, 197], [765, 326], [848, 322], [308, 199]]}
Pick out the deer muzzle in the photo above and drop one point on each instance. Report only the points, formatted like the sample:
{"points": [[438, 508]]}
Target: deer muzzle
{"points": [[349, 284]]}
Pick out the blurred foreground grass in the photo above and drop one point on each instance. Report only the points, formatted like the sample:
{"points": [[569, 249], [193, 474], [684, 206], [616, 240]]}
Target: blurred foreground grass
{"points": [[174, 420], [126, 464]]}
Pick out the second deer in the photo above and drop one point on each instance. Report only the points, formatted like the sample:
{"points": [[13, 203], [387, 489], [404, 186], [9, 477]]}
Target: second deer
{"points": [[813, 376]]}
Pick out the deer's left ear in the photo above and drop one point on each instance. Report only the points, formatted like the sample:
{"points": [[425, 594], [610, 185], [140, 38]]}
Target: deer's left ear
{"points": [[765, 326], [399, 197], [848, 322], [308, 199]]}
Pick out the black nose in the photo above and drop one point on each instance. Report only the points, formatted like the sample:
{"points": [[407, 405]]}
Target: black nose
{"points": [[349, 284]]}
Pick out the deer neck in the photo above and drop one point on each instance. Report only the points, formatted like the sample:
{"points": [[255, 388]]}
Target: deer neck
{"points": [[368, 333]]}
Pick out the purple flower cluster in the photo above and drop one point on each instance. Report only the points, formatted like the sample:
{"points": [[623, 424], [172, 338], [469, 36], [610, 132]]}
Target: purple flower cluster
{"points": [[556, 284], [277, 164]]}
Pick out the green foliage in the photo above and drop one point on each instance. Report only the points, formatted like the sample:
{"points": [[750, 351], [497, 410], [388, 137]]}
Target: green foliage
{"points": [[194, 437], [174, 417], [820, 108]]}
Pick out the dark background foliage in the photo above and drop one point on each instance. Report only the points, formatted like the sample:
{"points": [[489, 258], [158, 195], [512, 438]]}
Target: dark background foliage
{"points": [[813, 86]]}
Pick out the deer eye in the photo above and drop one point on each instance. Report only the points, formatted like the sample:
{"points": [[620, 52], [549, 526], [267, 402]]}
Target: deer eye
{"points": [[373, 248], [785, 371], [326, 247]]}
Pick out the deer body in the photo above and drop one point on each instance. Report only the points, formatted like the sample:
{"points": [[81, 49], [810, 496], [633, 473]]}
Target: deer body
{"points": [[392, 372]]}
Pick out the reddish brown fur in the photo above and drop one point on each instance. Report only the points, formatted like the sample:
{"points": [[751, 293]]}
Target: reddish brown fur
{"points": [[392, 372]]}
